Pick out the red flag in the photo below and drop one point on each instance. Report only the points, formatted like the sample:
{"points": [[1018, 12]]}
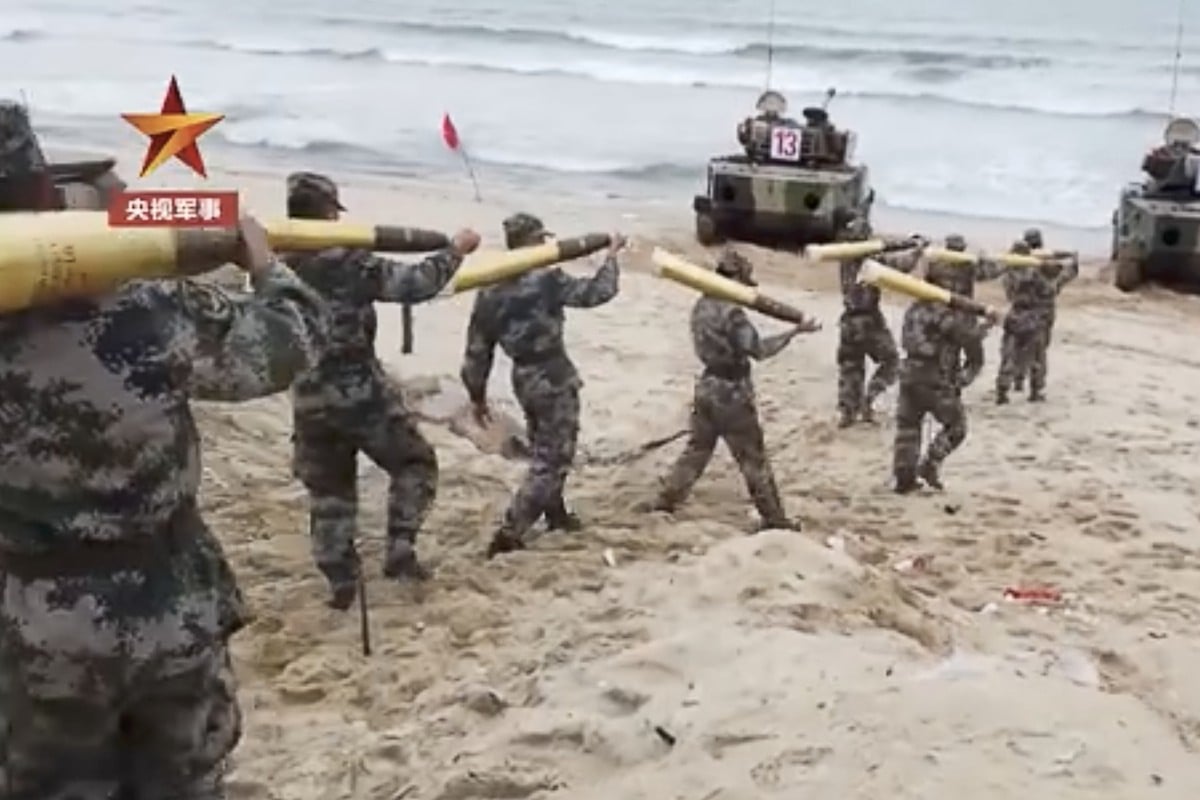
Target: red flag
{"points": [[449, 132]]}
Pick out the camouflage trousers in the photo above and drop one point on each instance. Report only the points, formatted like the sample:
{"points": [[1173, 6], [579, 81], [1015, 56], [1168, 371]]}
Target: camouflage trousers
{"points": [[864, 335], [922, 395], [725, 409], [1023, 353], [117, 684], [328, 438], [549, 398], [970, 357], [1019, 379]]}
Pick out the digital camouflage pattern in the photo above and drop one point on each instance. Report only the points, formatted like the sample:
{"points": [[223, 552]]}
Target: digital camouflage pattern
{"points": [[933, 335], [315, 186], [724, 408], [524, 317], [116, 601], [1032, 294], [863, 333], [961, 279], [346, 405]]}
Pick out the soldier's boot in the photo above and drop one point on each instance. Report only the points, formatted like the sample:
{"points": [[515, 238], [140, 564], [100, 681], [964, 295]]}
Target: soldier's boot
{"points": [[401, 561], [505, 541], [867, 412], [778, 524], [558, 518], [343, 584], [928, 472], [906, 483], [1037, 394], [1001, 395], [846, 419]]}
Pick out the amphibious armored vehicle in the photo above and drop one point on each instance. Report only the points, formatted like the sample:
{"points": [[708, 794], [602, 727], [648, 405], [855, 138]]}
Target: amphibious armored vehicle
{"points": [[1156, 226], [793, 185]]}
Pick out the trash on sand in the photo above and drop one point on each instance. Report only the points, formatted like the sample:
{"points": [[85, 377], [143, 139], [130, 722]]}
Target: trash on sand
{"points": [[1033, 595]]}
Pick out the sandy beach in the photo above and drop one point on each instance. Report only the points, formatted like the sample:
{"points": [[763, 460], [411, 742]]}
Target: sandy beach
{"points": [[650, 656]]}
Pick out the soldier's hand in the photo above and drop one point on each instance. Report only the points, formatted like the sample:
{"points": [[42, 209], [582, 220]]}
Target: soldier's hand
{"points": [[615, 243], [993, 316], [464, 241], [809, 325], [254, 249]]}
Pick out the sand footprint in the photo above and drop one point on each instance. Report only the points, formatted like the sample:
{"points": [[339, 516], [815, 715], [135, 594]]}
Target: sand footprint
{"points": [[788, 768]]}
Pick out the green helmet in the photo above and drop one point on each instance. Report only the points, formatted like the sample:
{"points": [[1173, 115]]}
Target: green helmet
{"points": [[956, 242], [1033, 237]]}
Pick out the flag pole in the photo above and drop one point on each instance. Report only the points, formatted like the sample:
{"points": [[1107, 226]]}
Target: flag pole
{"points": [[454, 142], [471, 172]]}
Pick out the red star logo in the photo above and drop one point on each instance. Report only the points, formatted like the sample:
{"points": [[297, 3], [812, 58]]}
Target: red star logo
{"points": [[173, 133]]}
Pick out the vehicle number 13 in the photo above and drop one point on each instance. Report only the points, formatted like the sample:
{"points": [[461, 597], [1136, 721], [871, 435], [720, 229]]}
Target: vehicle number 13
{"points": [[785, 144]]}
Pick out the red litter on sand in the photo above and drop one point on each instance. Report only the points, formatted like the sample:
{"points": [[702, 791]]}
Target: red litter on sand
{"points": [[1033, 595]]}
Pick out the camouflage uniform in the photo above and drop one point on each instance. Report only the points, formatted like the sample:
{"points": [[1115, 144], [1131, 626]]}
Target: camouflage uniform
{"points": [[863, 333], [960, 279], [346, 405], [524, 316], [933, 336], [116, 601], [724, 407], [1032, 293]]}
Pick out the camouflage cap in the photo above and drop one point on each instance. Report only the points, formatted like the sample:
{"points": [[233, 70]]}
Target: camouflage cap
{"points": [[20, 153], [521, 228], [1033, 237], [733, 264], [956, 242], [313, 184]]}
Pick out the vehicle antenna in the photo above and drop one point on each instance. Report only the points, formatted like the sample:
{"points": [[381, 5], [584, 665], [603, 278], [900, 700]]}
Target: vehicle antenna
{"points": [[1178, 58], [771, 40]]}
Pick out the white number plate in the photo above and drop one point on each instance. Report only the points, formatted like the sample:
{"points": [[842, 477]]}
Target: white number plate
{"points": [[785, 144]]}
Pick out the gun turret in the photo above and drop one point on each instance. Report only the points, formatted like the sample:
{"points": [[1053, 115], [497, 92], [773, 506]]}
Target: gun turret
{"points": [[1174, 167]]}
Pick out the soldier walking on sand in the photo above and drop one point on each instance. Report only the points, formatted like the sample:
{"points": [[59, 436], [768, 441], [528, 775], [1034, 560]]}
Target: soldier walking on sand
{"points": [[863, 331], [524, 316], [116, 601], [933, 336], [724, 405], [346, 404], [1032, 293], [1067, 271], [962, 280]]}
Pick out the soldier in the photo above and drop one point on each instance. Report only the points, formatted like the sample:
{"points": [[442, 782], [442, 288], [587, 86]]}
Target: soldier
{"points": [[724, 408], [346, 403], [117, 603], [524, 316], [1069, 271], [962, 281], [933, 335], [863, 332], [1032, 293]]}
